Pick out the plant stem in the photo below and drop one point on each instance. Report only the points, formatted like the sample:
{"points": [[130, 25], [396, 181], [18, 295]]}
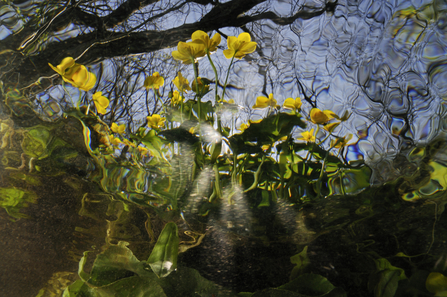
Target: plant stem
{"points": [[196, 74], [216, 79], [226, 79]]}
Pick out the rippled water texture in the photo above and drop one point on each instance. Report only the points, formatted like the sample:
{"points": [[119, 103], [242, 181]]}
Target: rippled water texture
{"points": [[385, 61]]}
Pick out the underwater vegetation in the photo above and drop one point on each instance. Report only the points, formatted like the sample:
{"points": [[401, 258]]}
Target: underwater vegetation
{"points": [[183, 197]]}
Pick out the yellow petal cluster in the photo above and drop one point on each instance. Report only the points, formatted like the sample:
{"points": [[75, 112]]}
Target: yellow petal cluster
{"points": [[189, 52], [143, 151], [118, 129], [176, 98], [243, 127], [155, 81], [307, 136], [202, 87], [318, 116], [231, 101], [155, 121], [263, 102], [75, 74], [203, 38], [101, 102], [239, 46], [181, 83], [294, 104], [114, 140], [128, 142]]}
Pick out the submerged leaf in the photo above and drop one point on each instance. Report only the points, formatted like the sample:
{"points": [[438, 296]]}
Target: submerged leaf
{"points": [[311, 285], [163, 258], [384, 283], [302, 261]]}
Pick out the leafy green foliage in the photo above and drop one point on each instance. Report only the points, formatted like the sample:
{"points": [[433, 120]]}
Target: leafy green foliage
{"points": [[163, 259], [13, 200]]}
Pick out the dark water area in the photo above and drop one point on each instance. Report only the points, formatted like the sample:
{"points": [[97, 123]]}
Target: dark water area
{"points": [[153, 194]]}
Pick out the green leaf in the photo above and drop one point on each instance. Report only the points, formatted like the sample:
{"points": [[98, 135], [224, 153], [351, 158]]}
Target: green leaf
{"points": [[153, 142], [163, 258], [436, 283], [310, 285], [384, 283], [115, 263], [276, 293], [82, 274], [180, 134], [302, 261], [79, 288], [13, 199], [188, 282], [35, 141], [265, 199], [384, 264], [134, 286], [267, 131]]}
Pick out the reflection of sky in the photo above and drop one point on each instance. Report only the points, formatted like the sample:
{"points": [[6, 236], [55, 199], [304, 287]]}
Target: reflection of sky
{"points": [[383, 61]]}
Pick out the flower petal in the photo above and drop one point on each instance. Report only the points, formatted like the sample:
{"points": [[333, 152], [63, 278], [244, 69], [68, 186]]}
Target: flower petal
{"points": [[199, 34], [244, 36], [228, 53], [289, 103], [318, 117], [65, 64]]}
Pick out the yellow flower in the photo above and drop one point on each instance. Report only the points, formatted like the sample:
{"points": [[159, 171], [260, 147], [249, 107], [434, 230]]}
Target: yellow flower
{"points": [[203, 88], [203, 38], [243, 127], [75, 74], [101, 102], [181, 83], [118, 129], [143, 151], [176, 98], [65, 66], [255, 121], [155, 121], [114, 140], [294, 104], [154, 81], [321, 117], [231, 101], [265, 147], [128, 143], [308, 136], [331, 126], [263, 102], [340, 141], [239, 46], [189, 52]]}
